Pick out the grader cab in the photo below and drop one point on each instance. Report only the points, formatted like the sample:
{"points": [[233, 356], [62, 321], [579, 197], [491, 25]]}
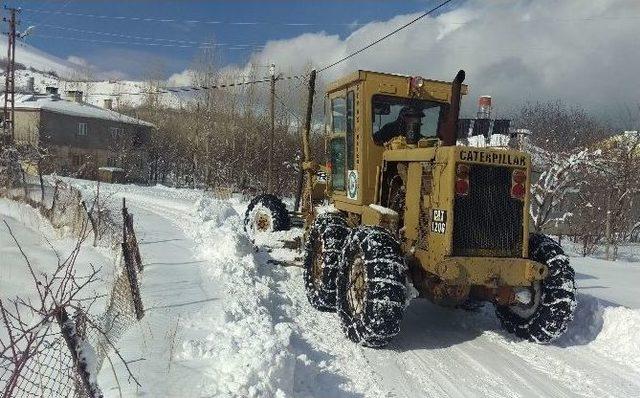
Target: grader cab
{"points": [[410, 208]]}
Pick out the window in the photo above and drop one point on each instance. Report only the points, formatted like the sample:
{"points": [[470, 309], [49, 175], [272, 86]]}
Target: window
{"points": [[337, 163], [337, 143], [350, 123], [338, 115], [413, 118], [75, 160], [82, 129], [116, 132]]}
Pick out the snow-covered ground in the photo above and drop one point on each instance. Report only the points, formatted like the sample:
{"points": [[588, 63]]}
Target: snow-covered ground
{"points": [[222, 320], [42, 245]]}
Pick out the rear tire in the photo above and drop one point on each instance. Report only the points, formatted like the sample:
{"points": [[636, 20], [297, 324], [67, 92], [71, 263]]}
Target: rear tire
{"points": [[266, 213], [322, 258], [371, 289], [553, 299]]}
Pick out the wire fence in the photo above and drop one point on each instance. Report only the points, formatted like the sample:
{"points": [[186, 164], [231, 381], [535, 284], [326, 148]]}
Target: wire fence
{"points": [[62, 355]]}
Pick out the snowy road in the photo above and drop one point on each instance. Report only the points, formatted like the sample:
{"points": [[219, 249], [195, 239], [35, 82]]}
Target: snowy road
{"points": [[174, 292], [221, 321]]}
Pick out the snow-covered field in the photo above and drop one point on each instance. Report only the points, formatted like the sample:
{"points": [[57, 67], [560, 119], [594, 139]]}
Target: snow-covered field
{"points": [[222, 320]]}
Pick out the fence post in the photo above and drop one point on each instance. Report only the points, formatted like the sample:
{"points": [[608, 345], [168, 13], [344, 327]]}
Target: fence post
{"points": [[133, 241], [73, 341], [129, 260], [94, 225]]}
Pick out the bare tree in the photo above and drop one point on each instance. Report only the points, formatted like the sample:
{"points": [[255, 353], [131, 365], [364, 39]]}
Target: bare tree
{"points": [[557, 127]]}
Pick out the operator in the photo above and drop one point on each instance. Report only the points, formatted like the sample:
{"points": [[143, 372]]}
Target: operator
{"points": [[407, 124]]}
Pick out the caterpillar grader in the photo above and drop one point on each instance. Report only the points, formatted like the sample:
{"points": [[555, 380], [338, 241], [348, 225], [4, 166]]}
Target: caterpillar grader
{"points": [[404, 210]]}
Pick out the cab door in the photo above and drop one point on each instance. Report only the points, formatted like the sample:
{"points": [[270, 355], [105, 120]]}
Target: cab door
{"points": [[341, 145]]}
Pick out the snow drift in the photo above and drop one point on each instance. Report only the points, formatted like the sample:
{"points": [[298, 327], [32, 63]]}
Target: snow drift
{"points": [[250, 348]]}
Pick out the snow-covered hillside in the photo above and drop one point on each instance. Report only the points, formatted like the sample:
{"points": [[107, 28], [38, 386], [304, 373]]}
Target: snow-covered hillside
{"points": [[67, 76], [222, 320], [30, 56]]}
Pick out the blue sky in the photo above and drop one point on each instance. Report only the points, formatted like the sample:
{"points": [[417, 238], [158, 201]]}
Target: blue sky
{"points": [[55, 31], [583, 52]]}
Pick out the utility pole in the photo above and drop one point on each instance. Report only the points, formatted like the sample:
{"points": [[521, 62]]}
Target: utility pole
{"points": [[272, 113], [9, 85]]}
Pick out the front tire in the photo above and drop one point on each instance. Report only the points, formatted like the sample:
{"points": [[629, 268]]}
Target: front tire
{"points": [[553, 299], [322, 258], [266, 213], [371, 289]]}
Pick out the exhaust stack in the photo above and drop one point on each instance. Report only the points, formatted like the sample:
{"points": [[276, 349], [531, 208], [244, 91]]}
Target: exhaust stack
{"points": [[448, 135]]}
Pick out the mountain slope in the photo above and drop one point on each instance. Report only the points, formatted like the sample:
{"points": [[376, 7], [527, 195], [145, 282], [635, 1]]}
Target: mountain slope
{"points": [[30, 56]]}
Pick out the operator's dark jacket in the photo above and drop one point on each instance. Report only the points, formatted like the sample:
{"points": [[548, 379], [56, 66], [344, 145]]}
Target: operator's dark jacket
{"points": [[389, 130]]}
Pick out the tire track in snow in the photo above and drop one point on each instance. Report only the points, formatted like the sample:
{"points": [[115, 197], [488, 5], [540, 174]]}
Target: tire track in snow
{"points": [[439, 353]]}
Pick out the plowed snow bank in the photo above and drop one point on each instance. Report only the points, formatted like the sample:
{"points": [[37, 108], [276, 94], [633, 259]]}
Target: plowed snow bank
{"points": [[250, 348]]}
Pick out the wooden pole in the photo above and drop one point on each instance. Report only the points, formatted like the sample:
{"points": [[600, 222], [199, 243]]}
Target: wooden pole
{"points": [[307, 205], [72, 339], [272, 115]]}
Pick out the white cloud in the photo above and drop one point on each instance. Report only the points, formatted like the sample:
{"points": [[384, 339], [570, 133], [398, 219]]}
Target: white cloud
{"points": [[78, 61], [89, 70], [583, 52], [183, 78]]}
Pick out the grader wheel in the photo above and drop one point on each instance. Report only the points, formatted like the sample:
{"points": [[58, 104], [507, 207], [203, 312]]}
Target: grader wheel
{"points": [[324, 244], [266, 213], [371, 290]]}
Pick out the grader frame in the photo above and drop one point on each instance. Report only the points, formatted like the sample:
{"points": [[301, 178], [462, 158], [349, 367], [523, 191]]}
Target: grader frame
{"points": [[429, 176]]}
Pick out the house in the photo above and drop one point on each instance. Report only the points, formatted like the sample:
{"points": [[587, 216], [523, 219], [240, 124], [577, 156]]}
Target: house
{"points": [[81, 138]]}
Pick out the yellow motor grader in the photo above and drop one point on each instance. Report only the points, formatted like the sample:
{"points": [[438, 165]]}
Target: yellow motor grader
{"points": [[410, 210]]}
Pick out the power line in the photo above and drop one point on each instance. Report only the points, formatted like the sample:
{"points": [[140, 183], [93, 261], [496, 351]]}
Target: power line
{"points": [[373, 43], [167, 20], [46, 16], [99, 41], [144, 38], [185, 89]]}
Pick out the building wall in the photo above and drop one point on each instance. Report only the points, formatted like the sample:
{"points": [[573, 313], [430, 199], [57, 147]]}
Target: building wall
{"points": [[106, 143], [26, 126], [67, 159], [61, 129]]}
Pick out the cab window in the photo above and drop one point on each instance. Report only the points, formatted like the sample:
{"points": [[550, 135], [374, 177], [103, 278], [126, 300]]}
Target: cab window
{"points": [[341, 144], [337, 163], [338, 115], [350, 122], [396, 116]]}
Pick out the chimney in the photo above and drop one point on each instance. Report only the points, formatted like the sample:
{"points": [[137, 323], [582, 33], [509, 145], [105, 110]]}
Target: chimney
{"points": [[74, 95], [484, 107], [108, 103], [30, 85], [51, 90]]}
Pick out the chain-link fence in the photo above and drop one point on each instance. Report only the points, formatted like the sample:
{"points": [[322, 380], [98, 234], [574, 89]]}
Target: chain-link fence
{"points": [[51, 359]]}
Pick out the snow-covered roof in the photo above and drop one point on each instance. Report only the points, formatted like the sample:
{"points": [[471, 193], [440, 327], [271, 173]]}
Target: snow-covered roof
{"points": [[111, 169], [53, 103]]}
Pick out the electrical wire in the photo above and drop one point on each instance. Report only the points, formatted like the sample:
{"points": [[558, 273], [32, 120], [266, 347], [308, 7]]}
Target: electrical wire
{"points": [[373, 43], [47, 16], [167, 20], [175, 45], [143, 38], [185, 89]]}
